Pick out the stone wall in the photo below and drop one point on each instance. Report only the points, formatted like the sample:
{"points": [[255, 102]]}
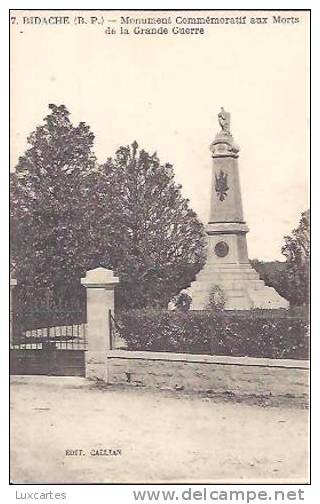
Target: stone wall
{"points": [[238, 375]]}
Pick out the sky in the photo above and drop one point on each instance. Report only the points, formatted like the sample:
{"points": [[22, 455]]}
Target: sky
{"points": [[165, 92]]}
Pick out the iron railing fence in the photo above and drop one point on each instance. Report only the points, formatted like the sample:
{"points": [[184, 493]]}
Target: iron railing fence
{"points": [[60, 326]]}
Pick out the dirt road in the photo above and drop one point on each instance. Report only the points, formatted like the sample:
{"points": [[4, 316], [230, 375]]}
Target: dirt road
{"points": [[136, 435]]}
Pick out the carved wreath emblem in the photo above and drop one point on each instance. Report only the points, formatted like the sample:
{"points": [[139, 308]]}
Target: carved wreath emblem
{"points": [[221, 185]]}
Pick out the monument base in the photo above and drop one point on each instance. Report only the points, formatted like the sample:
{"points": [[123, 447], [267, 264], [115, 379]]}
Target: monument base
{"points": [[242, 287]]}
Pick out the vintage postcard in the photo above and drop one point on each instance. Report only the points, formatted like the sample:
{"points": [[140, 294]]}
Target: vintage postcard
{"points": [[160, 247]]}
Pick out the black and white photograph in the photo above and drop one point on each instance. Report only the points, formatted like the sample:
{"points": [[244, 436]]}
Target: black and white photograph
{"points": [[159, 247]]}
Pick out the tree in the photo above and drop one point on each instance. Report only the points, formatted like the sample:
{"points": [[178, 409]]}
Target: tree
{"points": [[154, 241], [290, 278], [274, 274], [68, 215], [297, 253], [51, 242]]}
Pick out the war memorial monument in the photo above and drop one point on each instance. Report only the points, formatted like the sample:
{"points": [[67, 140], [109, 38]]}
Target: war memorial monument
{"points": [[227, 265]]}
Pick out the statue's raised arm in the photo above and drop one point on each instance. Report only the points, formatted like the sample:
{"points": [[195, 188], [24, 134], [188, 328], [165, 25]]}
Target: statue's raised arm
{"points": [[224, 121]]}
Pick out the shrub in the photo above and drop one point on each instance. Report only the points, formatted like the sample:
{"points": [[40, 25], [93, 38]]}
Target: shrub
{"points": [[215, 333], [217, 299], [182, 302]]}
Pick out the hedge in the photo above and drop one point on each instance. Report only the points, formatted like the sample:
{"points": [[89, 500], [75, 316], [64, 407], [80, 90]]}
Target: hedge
{"points": [[215, 334]]}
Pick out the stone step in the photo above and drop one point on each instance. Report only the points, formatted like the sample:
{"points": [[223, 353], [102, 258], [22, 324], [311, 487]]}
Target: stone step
{"points": [[232, 294], [226, 266], [252, 295], [238, 304], [204, 284], [267, 298], [227, 273], [227, 278]]}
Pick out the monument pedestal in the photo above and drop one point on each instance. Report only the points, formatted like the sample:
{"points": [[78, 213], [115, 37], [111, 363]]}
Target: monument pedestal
{"points": [[227, 263], [241, 286]]}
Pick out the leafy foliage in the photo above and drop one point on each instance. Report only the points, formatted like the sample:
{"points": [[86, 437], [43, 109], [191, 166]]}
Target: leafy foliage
{"points": [[274, 274], [50, 240], [208, 332], [68, 215], [156, 243], [182, 301], [290, 278], [297, 253], [217, 299]]}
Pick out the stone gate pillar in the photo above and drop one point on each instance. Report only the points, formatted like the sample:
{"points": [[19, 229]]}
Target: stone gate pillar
{"points": [[13, 283], [100, 284]]}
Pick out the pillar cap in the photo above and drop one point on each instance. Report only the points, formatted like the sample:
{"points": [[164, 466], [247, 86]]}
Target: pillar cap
{"points": [[224, 146], [99, 278], [13, 282]]}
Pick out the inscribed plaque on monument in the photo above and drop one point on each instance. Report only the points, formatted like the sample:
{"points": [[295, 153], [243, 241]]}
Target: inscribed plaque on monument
{"points": [[159, 246]]}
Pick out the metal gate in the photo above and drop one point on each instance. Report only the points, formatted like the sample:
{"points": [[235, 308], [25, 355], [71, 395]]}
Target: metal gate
{"points": [[48, 341]]}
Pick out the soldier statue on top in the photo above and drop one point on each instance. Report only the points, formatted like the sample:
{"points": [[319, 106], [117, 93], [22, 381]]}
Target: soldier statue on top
{"points": [[224, 121]]}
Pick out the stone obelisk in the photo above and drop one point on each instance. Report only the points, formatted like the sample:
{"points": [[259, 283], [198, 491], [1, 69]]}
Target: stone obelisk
{"points": [[227, 264]]}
